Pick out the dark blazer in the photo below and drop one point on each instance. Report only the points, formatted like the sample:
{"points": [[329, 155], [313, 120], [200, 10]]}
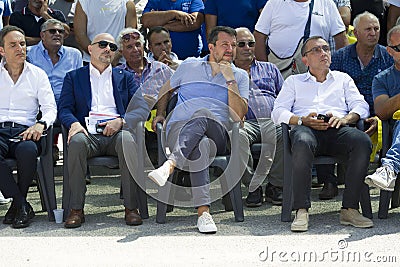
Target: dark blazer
{"points": [[76, 97]]}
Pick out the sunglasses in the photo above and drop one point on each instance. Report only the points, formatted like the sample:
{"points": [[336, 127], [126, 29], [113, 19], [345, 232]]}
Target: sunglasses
{"points": [[318, 49], [395, 47], [103, 44], [54, 31], [243, 43], [126, 37]]}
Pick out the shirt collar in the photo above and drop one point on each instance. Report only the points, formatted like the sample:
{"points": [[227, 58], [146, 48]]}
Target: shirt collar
{"points": [[44, 50], [353, 51], [309, 76], [27, 66], [96, 72]]}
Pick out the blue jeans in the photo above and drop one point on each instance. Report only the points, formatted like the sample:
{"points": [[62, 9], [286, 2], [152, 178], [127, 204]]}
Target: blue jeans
{"points": [[392, 157]]}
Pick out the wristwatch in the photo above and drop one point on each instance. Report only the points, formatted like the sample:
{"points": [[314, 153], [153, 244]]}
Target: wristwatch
{"points": [[43, 123], [299, 122]]}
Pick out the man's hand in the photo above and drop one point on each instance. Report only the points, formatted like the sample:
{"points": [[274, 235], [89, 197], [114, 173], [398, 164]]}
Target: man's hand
{"points": [[43, 11], [76, 127], [311, 121], [33, 133], [157, 119], [112, 126], [336, 122], [166, 59], [226, 70], [373, 125], [185, 18]]}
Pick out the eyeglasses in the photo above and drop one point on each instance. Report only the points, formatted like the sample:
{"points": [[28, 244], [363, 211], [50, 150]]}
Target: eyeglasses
{"points": [[103, 44], [54, 31], [318, 49], [126, 37], [395, 47], [243, 43]]}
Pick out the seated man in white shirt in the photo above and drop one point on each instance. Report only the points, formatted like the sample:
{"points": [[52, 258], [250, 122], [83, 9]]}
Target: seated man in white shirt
{"points": [[23, 88], [333, 94]]}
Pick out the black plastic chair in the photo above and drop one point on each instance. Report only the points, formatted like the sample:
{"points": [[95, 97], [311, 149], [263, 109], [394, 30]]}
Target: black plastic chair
{"points": [[387, 197], [287, 204], [109, 161], [45, 173]]}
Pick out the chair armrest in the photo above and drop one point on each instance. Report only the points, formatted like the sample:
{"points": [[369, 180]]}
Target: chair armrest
{"points": [[46, 141]]}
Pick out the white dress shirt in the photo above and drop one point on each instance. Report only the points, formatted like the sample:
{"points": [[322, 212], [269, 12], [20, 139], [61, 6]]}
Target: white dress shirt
{"points": [[102, 91], [20, 101], [301, 94]]}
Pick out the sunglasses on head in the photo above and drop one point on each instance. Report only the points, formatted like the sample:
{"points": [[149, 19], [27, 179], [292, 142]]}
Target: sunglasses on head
{"points": [[243, 43], [54, 31], [318, 49], [395, 47], [126, 37], [103, 44]]}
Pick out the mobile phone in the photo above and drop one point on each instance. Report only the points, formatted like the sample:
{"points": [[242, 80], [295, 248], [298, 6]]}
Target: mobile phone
{"points": [[99, 129], [323, 117], [16, 138]]}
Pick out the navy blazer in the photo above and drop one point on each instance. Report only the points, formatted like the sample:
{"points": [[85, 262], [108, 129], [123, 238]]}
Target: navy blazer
{"points": [[76, 96]]}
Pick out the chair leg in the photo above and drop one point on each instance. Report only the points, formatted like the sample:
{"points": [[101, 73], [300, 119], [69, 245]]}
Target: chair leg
{"points": [[236, 198], [164, 197], [366, 202], [396, 195], [384, 200]]}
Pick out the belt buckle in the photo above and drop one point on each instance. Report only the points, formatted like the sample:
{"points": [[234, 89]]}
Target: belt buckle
{"points": [[2, 125], [12, 124]]}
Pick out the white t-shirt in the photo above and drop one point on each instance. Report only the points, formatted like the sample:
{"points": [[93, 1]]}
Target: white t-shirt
{"points": [[284, 22], [104, 16]]}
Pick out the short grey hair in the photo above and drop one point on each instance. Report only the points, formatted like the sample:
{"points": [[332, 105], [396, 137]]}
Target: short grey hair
{"points": [[50, 22], [126, 31], [364, 14], [395, 29]]}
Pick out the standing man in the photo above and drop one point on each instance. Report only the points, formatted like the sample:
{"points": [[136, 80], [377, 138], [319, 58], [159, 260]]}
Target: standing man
{"points": [[183, 19], [5, 12], [95, 17], [386, 89], [98, 88], [211, 90], [160, 47], [23, 89], [322, 91], [283, 25], [265, 84], [33, 16]]}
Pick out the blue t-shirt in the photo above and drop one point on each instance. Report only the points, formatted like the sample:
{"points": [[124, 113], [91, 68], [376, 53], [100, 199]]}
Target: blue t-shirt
{"points": [[184, 44], [346, 60], [198, 89], [239, 13], [386, 83]]}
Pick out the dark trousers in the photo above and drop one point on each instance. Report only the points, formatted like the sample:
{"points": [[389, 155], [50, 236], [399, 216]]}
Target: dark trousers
{"points": [[192, 152], [346, 143], [26, 153]]}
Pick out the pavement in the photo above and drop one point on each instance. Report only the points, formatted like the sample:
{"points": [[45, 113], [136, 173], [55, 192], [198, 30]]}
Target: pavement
{"points": [[261, 240]]}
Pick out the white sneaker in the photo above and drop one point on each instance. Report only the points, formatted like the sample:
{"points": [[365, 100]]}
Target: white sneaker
{"points": [[160, 175], [383, 178], [4, 200], [206, 224]]}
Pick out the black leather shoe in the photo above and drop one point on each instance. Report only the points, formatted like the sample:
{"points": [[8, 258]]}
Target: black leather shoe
{"points": [[10, 215], [255, 198], [329, 191], [273, 194], [24, 214]]}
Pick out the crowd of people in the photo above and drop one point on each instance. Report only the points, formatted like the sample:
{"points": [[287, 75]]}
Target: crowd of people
{"points": [[259, 62]]}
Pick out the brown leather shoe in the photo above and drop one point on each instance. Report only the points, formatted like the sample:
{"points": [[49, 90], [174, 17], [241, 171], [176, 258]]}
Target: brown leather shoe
{"points": [[75, 219], [132, 217]]}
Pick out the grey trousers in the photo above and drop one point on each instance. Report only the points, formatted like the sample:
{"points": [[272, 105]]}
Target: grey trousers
{"points": [[270, 164], [82, 148], [191, 151]]}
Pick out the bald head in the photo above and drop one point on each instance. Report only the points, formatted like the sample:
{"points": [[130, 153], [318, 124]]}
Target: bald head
{"points": [[102, 51]]}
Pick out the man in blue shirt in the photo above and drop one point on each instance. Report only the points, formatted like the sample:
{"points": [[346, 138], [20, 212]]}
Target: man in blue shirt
{"points": [[386, 89], [183, 18], [211, 91], [266, 82], [54, 58]]}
